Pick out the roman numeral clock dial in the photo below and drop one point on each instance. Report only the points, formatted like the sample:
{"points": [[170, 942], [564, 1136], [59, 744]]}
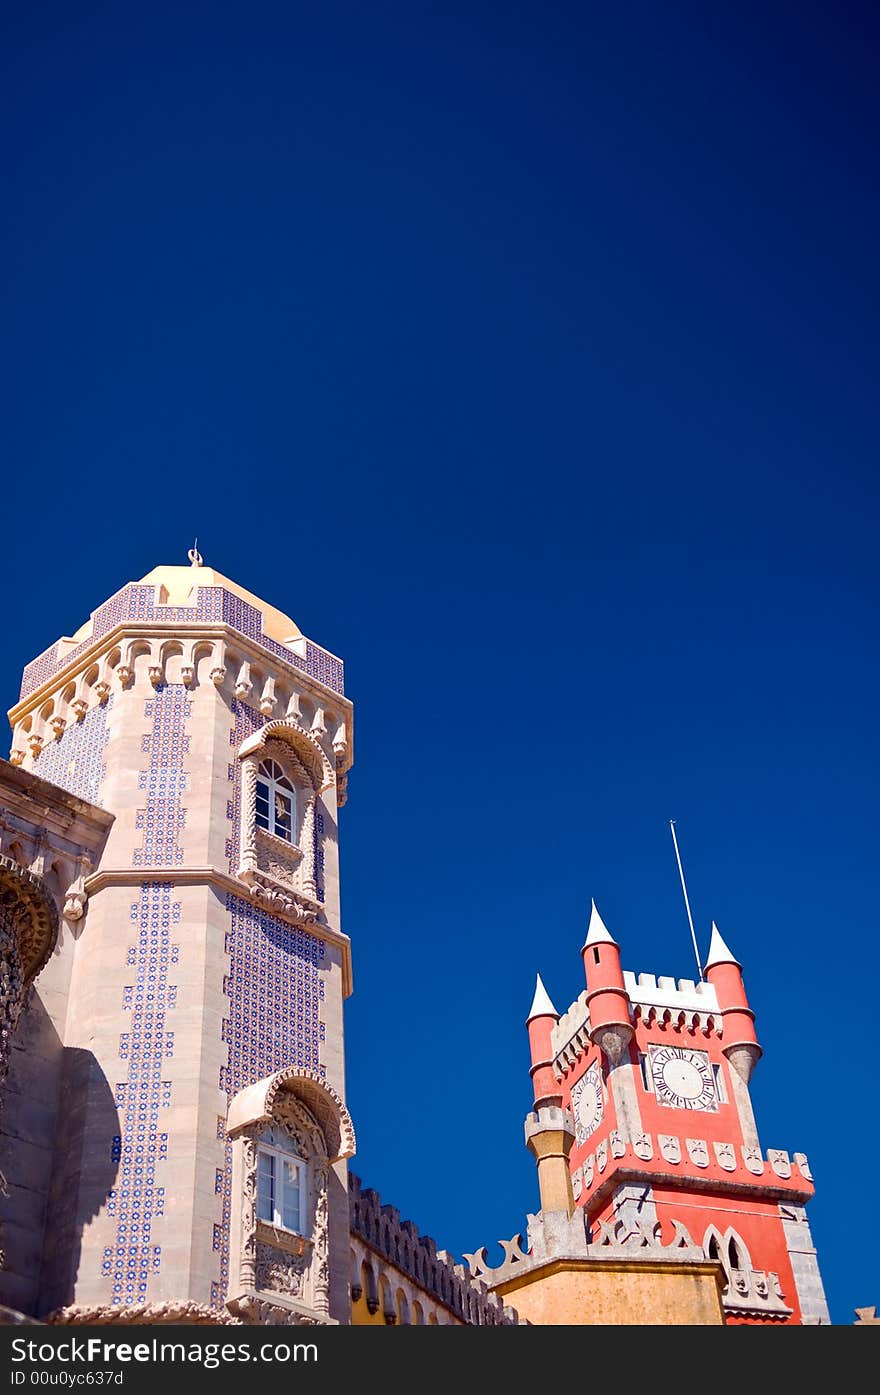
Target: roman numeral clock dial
{"points": [[682, 1078]]}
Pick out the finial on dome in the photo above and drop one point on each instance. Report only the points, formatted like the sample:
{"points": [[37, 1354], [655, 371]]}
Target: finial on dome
{"points": [[541, 1004], [195, 556], [718, 951], [597, 932]]}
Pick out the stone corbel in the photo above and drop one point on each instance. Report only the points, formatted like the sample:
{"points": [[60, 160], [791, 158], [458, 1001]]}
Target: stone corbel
{"points": [[38, 862], [35, 743], [58, 724], [102, 691], [16, 755], [243, 684], [125, 668], [319, 729], [76, 895], [79, 707], [267, 697], [188, 666], [294, 711], [340, 744], [218, 663]]}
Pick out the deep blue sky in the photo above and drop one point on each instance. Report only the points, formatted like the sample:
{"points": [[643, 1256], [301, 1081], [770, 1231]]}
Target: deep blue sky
{"points": [[527, 356]]}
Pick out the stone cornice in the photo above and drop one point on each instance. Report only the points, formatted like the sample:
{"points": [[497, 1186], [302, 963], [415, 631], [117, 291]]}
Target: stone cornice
{"points": [[26, 794], [169, 629], [211, 876]]}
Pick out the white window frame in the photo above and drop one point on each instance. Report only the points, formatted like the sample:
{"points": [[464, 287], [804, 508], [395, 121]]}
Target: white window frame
{"points": [[278, 786], [277, 1157]]}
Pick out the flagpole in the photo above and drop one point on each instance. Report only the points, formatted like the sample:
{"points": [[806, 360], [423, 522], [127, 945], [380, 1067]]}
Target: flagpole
{"points": [[686, 901]]}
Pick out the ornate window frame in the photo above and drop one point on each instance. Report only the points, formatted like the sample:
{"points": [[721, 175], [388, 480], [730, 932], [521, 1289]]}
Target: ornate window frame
{"points": [[271, 1268], [282, 873]]}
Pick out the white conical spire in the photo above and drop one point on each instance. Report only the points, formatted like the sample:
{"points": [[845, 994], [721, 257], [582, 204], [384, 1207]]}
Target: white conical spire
{"points": [[597, 932], [718, 951], [541, 1004]]}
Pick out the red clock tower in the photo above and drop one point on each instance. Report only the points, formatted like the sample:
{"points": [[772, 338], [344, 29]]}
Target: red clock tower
{"points": [[652, 1078]]}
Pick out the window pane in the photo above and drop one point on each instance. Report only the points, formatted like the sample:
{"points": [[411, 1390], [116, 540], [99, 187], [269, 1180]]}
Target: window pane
{"points": [[290, 1197], [282, 815], [266, 1188]]}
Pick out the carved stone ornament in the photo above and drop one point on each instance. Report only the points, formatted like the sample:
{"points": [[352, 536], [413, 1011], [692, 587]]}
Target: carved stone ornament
{"points": [[752, 1159], [779, 1161], [602, 1155], [618, 1147], [76, 895], [801, 1162], [726, 1156], [670, 1147], [588, 1171], [698, 1151], [577, 1182], [280, 1272], [643, 1147], [181, 1312]]}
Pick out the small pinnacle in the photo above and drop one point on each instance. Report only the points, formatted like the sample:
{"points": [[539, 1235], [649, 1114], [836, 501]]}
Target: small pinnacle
{"points": [[718, 951], [541, 1004], [597, 932]]}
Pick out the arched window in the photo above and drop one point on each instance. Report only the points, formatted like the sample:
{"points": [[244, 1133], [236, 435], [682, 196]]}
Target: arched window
{"points": [[276, 801]]}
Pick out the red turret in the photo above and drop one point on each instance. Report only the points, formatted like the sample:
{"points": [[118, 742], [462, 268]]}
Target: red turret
{"points": [[540, 1022], [725, 975], [607, 998]]}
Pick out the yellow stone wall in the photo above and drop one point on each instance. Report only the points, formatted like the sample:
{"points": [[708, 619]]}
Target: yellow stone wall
{"points": [[573, 1293], [362, 1317]]}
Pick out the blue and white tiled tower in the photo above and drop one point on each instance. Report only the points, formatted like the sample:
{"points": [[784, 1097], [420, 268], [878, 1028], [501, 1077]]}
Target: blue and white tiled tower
{"points": [[199, 1131]]}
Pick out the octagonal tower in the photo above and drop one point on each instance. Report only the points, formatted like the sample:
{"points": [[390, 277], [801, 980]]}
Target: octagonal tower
{"points": [[199, 1158]]}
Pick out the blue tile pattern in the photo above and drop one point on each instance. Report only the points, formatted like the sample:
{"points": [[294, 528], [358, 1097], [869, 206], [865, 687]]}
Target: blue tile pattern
{"points": [[137, 1201], [163, 818], [75, 762], [275, 988], [213, 603]]}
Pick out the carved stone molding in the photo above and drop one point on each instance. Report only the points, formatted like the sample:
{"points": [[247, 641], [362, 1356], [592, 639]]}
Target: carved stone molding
{"points": [[141, 1314]]}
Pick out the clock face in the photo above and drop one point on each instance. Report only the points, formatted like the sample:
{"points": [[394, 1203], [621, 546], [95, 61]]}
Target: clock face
{"points": [[682, 1078], [586, 1103]]}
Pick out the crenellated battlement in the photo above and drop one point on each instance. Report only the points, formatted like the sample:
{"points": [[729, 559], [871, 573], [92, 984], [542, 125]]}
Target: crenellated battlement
{"points": [[698, 1001], [652, 998], [434, 1271]]}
